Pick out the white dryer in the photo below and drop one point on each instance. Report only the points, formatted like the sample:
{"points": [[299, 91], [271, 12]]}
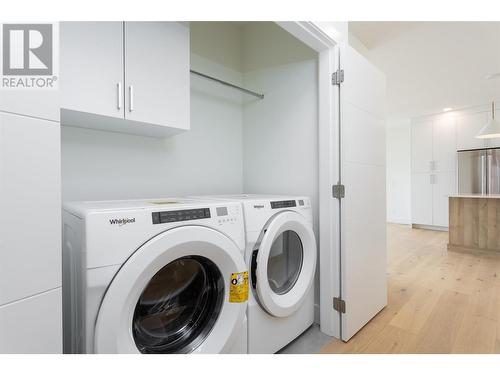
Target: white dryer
{"points": [[281, 256], [156, 276]]}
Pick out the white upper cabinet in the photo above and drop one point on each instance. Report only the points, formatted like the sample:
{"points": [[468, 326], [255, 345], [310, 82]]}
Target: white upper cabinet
{"points": [[468, 124], [92, 67], [130, 77], [157, 73], [421, 146], [443, 143]]}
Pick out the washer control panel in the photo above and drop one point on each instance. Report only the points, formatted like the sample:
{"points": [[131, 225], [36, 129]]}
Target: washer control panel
{"points": [[163, 217]]}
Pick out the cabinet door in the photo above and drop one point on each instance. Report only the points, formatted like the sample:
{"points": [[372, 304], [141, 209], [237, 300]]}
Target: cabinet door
{"points": [[157, 73], [30, 206], [467, 127], [444, 143], [421, 198], [443, 186], [421, 146], [32, 325], [91, 67]]}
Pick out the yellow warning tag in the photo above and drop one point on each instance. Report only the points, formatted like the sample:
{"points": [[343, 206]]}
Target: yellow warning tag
{"points": [[238, 290]]}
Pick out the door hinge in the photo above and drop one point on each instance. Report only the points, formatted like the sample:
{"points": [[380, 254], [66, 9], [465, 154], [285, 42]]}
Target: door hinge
{"points": [[339, 305], [338, 191], [338, 77]]}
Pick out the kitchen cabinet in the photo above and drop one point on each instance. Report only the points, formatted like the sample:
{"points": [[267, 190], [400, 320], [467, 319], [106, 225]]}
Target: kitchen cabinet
{"points": [[421, 198], [91, 67], [421, 150], [130, 77], [433, 163]]}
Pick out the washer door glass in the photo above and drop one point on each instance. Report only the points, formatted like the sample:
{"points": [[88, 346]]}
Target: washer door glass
{"points": [[179, 306], [284, 262]]}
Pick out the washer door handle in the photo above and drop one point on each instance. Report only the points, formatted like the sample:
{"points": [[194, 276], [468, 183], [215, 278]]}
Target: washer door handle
{"points": [[253, 273]]}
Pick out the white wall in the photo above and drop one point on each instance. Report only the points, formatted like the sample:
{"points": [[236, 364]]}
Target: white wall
{"points": [[398, 174], [280, 133]]}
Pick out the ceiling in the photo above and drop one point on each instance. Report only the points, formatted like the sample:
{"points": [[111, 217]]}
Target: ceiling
{"points": [[373, 34], [432, 65]]}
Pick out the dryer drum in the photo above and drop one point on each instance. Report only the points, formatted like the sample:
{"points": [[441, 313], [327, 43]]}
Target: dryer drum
{"points": [[179, 306]]}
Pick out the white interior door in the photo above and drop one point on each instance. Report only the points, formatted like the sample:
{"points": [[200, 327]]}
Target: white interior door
{"points": [[363, 210]]}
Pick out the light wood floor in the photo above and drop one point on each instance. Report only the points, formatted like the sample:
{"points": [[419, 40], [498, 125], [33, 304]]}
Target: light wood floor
{"points": [[439, 301]]}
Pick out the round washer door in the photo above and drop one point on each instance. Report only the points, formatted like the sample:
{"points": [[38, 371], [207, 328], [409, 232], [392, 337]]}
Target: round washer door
{"points": [[172, 296], [285, 264]]}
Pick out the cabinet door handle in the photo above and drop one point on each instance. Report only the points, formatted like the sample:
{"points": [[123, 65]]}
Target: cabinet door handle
{"points": [[131, 94], [119, 95]]}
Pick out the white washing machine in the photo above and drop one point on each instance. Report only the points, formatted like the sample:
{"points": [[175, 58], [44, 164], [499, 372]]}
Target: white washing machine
{"points": [[281, 256], [156, 276]]}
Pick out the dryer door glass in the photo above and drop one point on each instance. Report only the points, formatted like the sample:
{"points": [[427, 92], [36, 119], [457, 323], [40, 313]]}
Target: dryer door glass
{"points": [[179, 307], [284, 262]]}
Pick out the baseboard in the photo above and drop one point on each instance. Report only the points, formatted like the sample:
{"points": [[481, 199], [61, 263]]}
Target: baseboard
{"points": [[430, 227]]}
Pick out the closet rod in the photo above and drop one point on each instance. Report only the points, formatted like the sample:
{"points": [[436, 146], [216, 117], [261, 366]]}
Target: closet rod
{"points": [[250, 92]]}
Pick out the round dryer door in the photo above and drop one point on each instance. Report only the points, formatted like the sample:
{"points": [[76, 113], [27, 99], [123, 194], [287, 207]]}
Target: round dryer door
{"points": [[172, 296], [283, 267]]}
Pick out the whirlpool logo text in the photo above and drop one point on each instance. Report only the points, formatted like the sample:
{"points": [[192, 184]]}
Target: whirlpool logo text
{"points": [[121, 222]]}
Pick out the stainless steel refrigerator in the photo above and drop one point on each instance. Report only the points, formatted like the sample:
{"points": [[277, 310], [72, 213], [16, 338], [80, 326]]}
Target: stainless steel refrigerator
{"points": [[479, 171]]}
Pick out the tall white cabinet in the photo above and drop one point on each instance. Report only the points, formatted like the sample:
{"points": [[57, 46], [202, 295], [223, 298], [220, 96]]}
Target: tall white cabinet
{"points": [[30, 228], [433, 166]]}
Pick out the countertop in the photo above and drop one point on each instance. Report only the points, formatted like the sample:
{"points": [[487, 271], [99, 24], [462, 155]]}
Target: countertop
{"points": [[488, 196]]}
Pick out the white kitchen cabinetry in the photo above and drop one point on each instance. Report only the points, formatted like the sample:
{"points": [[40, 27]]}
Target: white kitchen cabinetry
{"points": [[433, 169], [421, 198], [443, 143], [130, 77], [421, 150]]}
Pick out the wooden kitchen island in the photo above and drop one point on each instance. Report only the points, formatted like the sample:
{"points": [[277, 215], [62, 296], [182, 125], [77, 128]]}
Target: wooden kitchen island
{"points": [[474, 224]]}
